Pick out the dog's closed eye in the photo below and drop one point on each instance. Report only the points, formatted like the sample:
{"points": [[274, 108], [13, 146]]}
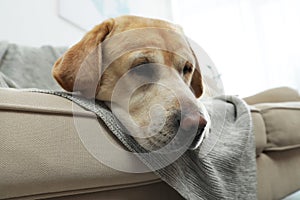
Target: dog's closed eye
{"points": [[143, 68], [140, 61], [144, 71]]}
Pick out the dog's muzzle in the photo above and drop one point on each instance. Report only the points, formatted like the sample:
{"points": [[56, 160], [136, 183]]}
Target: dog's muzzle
{"points": [[194, 122]]}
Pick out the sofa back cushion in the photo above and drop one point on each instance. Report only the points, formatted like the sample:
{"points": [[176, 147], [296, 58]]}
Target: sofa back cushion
{"points": [[29, 67]]}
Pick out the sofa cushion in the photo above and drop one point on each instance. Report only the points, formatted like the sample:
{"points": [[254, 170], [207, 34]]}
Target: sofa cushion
{"points": [[282, 124], [259, 130], [29, 67], [280, 94]]}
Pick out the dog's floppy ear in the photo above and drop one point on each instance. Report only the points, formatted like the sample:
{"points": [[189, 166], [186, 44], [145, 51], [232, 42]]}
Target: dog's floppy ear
{"points": [[196, 83], [79, 68]]}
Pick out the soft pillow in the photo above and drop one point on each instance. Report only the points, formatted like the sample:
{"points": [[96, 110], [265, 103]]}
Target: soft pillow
{"points": [[281, 124], [29, 67]]}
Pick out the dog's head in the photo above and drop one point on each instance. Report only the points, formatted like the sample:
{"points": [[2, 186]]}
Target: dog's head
{"points": [[148, 72]]}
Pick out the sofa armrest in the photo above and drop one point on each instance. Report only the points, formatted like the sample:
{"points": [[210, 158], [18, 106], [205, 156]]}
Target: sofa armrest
{"points": [[281, 94], [43, 155]]}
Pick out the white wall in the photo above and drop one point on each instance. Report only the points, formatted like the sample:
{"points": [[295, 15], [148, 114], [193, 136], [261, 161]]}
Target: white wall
{"points": [[35, 23], [254, 44]]}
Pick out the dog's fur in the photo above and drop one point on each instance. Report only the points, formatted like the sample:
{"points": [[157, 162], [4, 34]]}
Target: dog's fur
{"points": [[80, 68]]}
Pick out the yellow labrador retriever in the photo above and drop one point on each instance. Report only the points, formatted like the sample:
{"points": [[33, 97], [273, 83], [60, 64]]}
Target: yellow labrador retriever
{"points": [[147, 73]]}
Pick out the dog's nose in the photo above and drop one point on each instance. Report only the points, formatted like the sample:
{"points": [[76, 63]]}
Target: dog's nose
{"points": [[193, 120]]}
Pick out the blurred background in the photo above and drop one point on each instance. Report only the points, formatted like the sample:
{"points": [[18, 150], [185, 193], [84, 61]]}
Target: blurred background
{"points": [[253, 43]]}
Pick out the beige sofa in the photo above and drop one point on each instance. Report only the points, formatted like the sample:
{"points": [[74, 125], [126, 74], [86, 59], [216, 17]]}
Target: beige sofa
{"points": [[276, 120], [42, 155]]}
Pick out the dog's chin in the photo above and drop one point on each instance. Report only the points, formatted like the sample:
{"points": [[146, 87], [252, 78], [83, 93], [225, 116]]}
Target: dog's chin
{"points": [[155, 142], [170, 140], [173, 139]]}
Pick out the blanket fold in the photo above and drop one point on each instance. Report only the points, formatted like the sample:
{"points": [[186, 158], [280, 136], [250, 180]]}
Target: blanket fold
{"points": [[223, 167]]}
